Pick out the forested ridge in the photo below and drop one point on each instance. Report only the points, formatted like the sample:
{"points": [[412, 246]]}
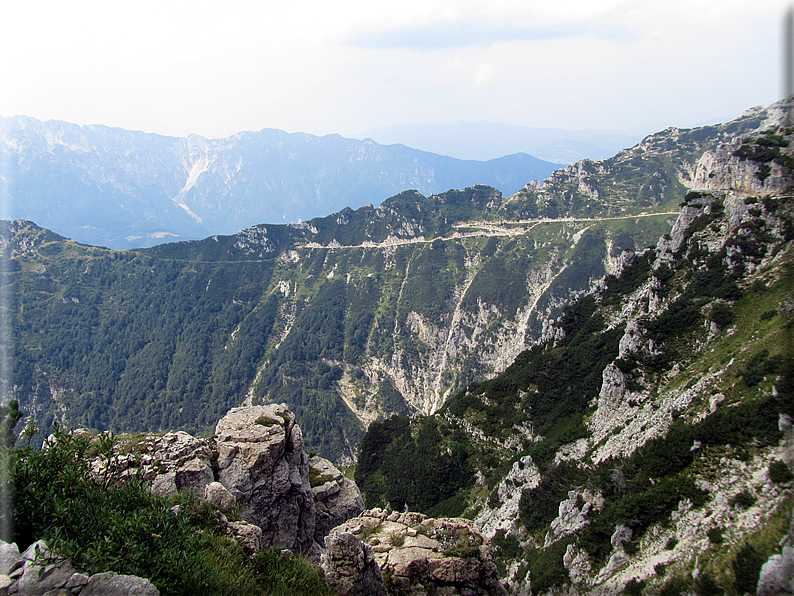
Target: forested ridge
{"points": [[656, 411], [348, 318]]}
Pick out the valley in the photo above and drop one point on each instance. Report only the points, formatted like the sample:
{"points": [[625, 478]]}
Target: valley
{"points": [[596, 371]]}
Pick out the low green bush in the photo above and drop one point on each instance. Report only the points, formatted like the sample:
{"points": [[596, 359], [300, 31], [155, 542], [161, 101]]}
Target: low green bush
{"points": [[111, 523], [746, 568], [705, 586], [715, 536], [507, 545], [779, 472], [675, 587], [744, 500], [634, 587]]}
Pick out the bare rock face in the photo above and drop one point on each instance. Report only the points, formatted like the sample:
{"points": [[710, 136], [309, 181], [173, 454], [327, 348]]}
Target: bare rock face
{"points": [[777, 574], [173, 462], [350, 566], [416, 554], [263, 464], [336, 498], [39, 571]]}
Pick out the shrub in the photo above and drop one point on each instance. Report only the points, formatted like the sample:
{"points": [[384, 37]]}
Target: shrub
{"points": [[715, 536], [634, 587], [746, 568], [705, 586], [744, 500], [779, 472], [507, 545], [722, 315], [675, 587], [546, 568], [759, 366], [671, 543], [110, 523]]}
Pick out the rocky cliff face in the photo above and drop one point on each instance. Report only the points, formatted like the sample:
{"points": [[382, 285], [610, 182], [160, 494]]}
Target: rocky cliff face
{"points": [[644, 445], [254, 466], [353, 317]]}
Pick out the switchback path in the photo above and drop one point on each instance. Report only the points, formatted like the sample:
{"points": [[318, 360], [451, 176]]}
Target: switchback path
{"points": [[482, 229]]}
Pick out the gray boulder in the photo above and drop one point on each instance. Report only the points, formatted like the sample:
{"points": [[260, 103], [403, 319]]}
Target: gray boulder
{"points": [[421, 555], [263, 464], [41, 572], [105, 584], [336, 498], [777, 574], [350, 566], [10, 558]]}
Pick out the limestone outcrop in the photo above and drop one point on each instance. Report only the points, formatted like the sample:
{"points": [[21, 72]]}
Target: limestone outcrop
{"points": [[39, 571], [416, 555], [263, 464], [350, 566], [336, 498], [254, 465], [777, 574], [172, 462]]}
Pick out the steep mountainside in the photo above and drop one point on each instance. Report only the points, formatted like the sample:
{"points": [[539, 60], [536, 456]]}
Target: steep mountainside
{"points": [[645, 444], [346, 318], [126, 189]]}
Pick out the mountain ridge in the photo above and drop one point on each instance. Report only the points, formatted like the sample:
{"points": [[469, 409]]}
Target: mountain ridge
{"points": [[347, 318], [644, 444], [125, 189]]}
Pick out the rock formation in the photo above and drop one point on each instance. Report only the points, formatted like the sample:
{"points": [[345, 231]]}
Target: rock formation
{"points": [[336, 498], [416, 555], [255, 465], [38, 571], [262, 463]]}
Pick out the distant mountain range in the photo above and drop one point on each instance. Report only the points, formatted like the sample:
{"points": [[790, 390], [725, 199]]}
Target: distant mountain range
{"points": [[351, 317], [126, 189], [487, 140]]}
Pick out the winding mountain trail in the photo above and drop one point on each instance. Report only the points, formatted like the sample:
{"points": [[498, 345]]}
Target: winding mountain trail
{"points": [[483, 229]]}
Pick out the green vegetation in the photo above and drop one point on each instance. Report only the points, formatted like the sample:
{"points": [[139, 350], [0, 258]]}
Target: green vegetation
{"points": [[743, 500], [779, 472], [506, 545], [715, 535], [746, 568], [108, 523], [551, 390], [401, 467]]}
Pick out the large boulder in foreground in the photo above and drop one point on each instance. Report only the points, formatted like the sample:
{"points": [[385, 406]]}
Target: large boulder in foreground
{"points": [[350, 566], [263, 464], [336, 498], [416, 554], [41, 572]]}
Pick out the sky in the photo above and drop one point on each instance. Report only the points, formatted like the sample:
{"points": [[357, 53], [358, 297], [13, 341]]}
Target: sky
{"points": [[214, 69]]}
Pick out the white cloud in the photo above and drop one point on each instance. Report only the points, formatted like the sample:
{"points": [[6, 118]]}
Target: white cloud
{"points": [[177, 67], [484, 75]]}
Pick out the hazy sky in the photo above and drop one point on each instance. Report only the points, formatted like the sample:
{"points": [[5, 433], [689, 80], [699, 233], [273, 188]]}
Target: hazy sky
{"points": [[175, 67]]}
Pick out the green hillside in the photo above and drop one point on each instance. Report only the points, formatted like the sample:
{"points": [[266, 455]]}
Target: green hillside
{"points": [[348, 318], [657, 404]]}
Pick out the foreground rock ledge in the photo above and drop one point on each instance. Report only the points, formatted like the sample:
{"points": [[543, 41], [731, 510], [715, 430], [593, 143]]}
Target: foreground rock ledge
{"points": [[415, 555], [40, 572], [255, 464]]}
